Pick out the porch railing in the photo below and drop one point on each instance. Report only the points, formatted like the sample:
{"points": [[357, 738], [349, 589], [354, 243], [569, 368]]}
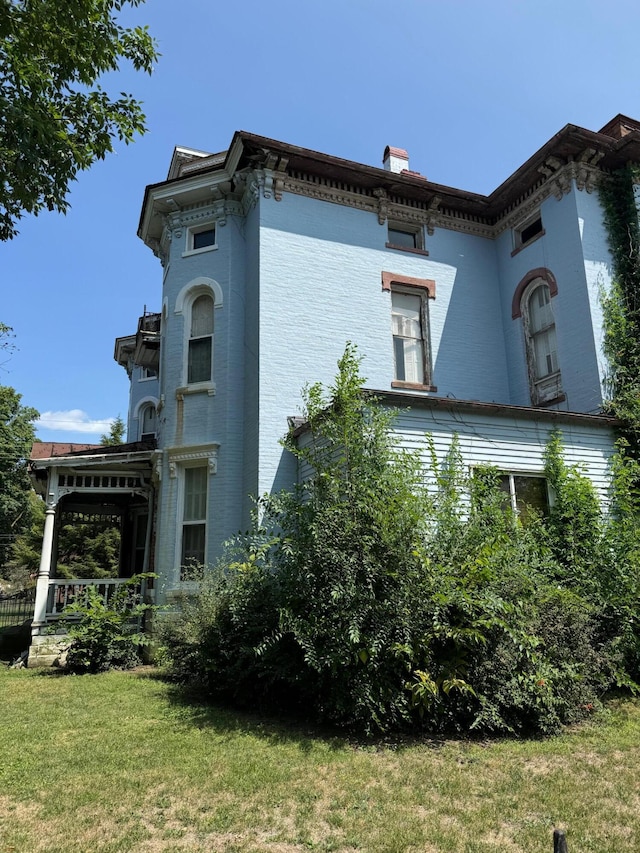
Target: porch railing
{"points": [[63, 591]]}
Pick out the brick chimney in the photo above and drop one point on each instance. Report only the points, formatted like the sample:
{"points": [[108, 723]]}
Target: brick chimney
{"points": [[395, 160]]}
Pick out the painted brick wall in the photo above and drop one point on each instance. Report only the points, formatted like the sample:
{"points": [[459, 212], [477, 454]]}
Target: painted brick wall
{"points": [[597, 266], [320, 286], [301, 277], [201, 418], [560, 250], [141, 391]]}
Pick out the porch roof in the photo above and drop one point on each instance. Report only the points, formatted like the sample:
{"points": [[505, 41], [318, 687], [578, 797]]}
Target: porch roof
{"points": [[90, 455]]}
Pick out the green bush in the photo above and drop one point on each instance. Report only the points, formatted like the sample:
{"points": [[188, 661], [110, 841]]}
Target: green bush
{"points": [[107, 635], [365, 600]]}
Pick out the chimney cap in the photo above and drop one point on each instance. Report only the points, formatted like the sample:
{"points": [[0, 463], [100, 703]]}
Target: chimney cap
{"points": [[390, 151]]}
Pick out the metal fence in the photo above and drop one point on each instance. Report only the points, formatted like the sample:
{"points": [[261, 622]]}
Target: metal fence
{"points": [[17, 608]]}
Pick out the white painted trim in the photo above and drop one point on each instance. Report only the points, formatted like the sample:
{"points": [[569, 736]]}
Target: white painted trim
{"points": [[145, 401], [198, 228], [188, 252], [190, 292], [195, 288], [142, 378], [180, 458]]}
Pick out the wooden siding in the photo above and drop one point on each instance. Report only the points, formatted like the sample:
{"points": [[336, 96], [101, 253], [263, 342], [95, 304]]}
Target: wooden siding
{"points": [[506, 441]]}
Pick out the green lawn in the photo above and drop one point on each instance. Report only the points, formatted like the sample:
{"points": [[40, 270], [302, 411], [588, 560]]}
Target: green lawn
{"points": [[117, 762]]}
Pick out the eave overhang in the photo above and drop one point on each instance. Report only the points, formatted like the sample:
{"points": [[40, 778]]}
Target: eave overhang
{"points": [[123, 350], [609, 149], [88, 459], [530, 413], [503, 410]]}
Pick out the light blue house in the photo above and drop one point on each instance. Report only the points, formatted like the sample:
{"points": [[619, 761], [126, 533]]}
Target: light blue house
{"points": [[474, 315]]}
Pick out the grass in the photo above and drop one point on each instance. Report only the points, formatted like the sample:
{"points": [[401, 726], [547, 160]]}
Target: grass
{"points": [[120, 762]]}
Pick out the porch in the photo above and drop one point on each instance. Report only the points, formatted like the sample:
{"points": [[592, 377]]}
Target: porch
{"points": [[95, 492]]}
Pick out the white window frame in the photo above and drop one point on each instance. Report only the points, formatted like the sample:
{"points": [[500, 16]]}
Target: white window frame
{"points": [[184, 303], [137, 414], [192, 230], [536, 475], [144, 377], [198, 338], [141, 413], [200, 456], [200, 522], [544, 390]]}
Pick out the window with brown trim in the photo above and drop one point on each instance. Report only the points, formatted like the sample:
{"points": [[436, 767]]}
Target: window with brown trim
{"points": [[408, 314], [402, 235], [410, 330], [527, 232]]}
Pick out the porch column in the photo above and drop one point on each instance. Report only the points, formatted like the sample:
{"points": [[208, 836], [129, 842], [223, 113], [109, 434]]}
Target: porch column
{"points": [[42, 584]]}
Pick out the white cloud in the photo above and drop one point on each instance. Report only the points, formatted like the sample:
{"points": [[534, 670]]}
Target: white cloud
{"points": [[73, 420]]}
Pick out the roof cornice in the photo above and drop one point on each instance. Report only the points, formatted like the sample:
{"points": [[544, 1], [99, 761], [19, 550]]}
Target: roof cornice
{"points": [[574, 153]]}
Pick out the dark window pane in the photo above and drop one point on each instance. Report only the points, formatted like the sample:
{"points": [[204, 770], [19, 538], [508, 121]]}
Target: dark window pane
{"points": [[193, 536], [202, 239], [531, 231], [531, 492], [398, 350], [199, 360], [406, 239]]}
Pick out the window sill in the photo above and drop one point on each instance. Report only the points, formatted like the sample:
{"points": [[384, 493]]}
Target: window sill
{"points": [[528, 243], [204, 249], [412, 386], [552, 401], [197, 388], [411, 251]]}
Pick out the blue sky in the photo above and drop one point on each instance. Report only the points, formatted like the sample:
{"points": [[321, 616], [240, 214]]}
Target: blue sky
{"points": [[471, 89]]}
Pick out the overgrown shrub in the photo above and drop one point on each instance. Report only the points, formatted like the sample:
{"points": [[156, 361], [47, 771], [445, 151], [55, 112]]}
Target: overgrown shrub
{"points": [[365, 600], [107, 635]]}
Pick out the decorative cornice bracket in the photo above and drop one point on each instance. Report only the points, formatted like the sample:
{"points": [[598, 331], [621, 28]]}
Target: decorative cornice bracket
{"points": [[383, 204]]}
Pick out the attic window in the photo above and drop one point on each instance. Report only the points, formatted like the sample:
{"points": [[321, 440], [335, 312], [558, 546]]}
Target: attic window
{"points": [[201, 238], [529, 231], [404, 236]]}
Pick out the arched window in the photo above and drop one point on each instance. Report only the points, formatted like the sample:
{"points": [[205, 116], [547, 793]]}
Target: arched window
{"points": [[543, 332], [541, 345], [147, 421], [200, 340]]}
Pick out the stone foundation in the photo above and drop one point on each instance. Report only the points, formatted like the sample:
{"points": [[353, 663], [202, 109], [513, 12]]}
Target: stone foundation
{"points": [[48, 649]]}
